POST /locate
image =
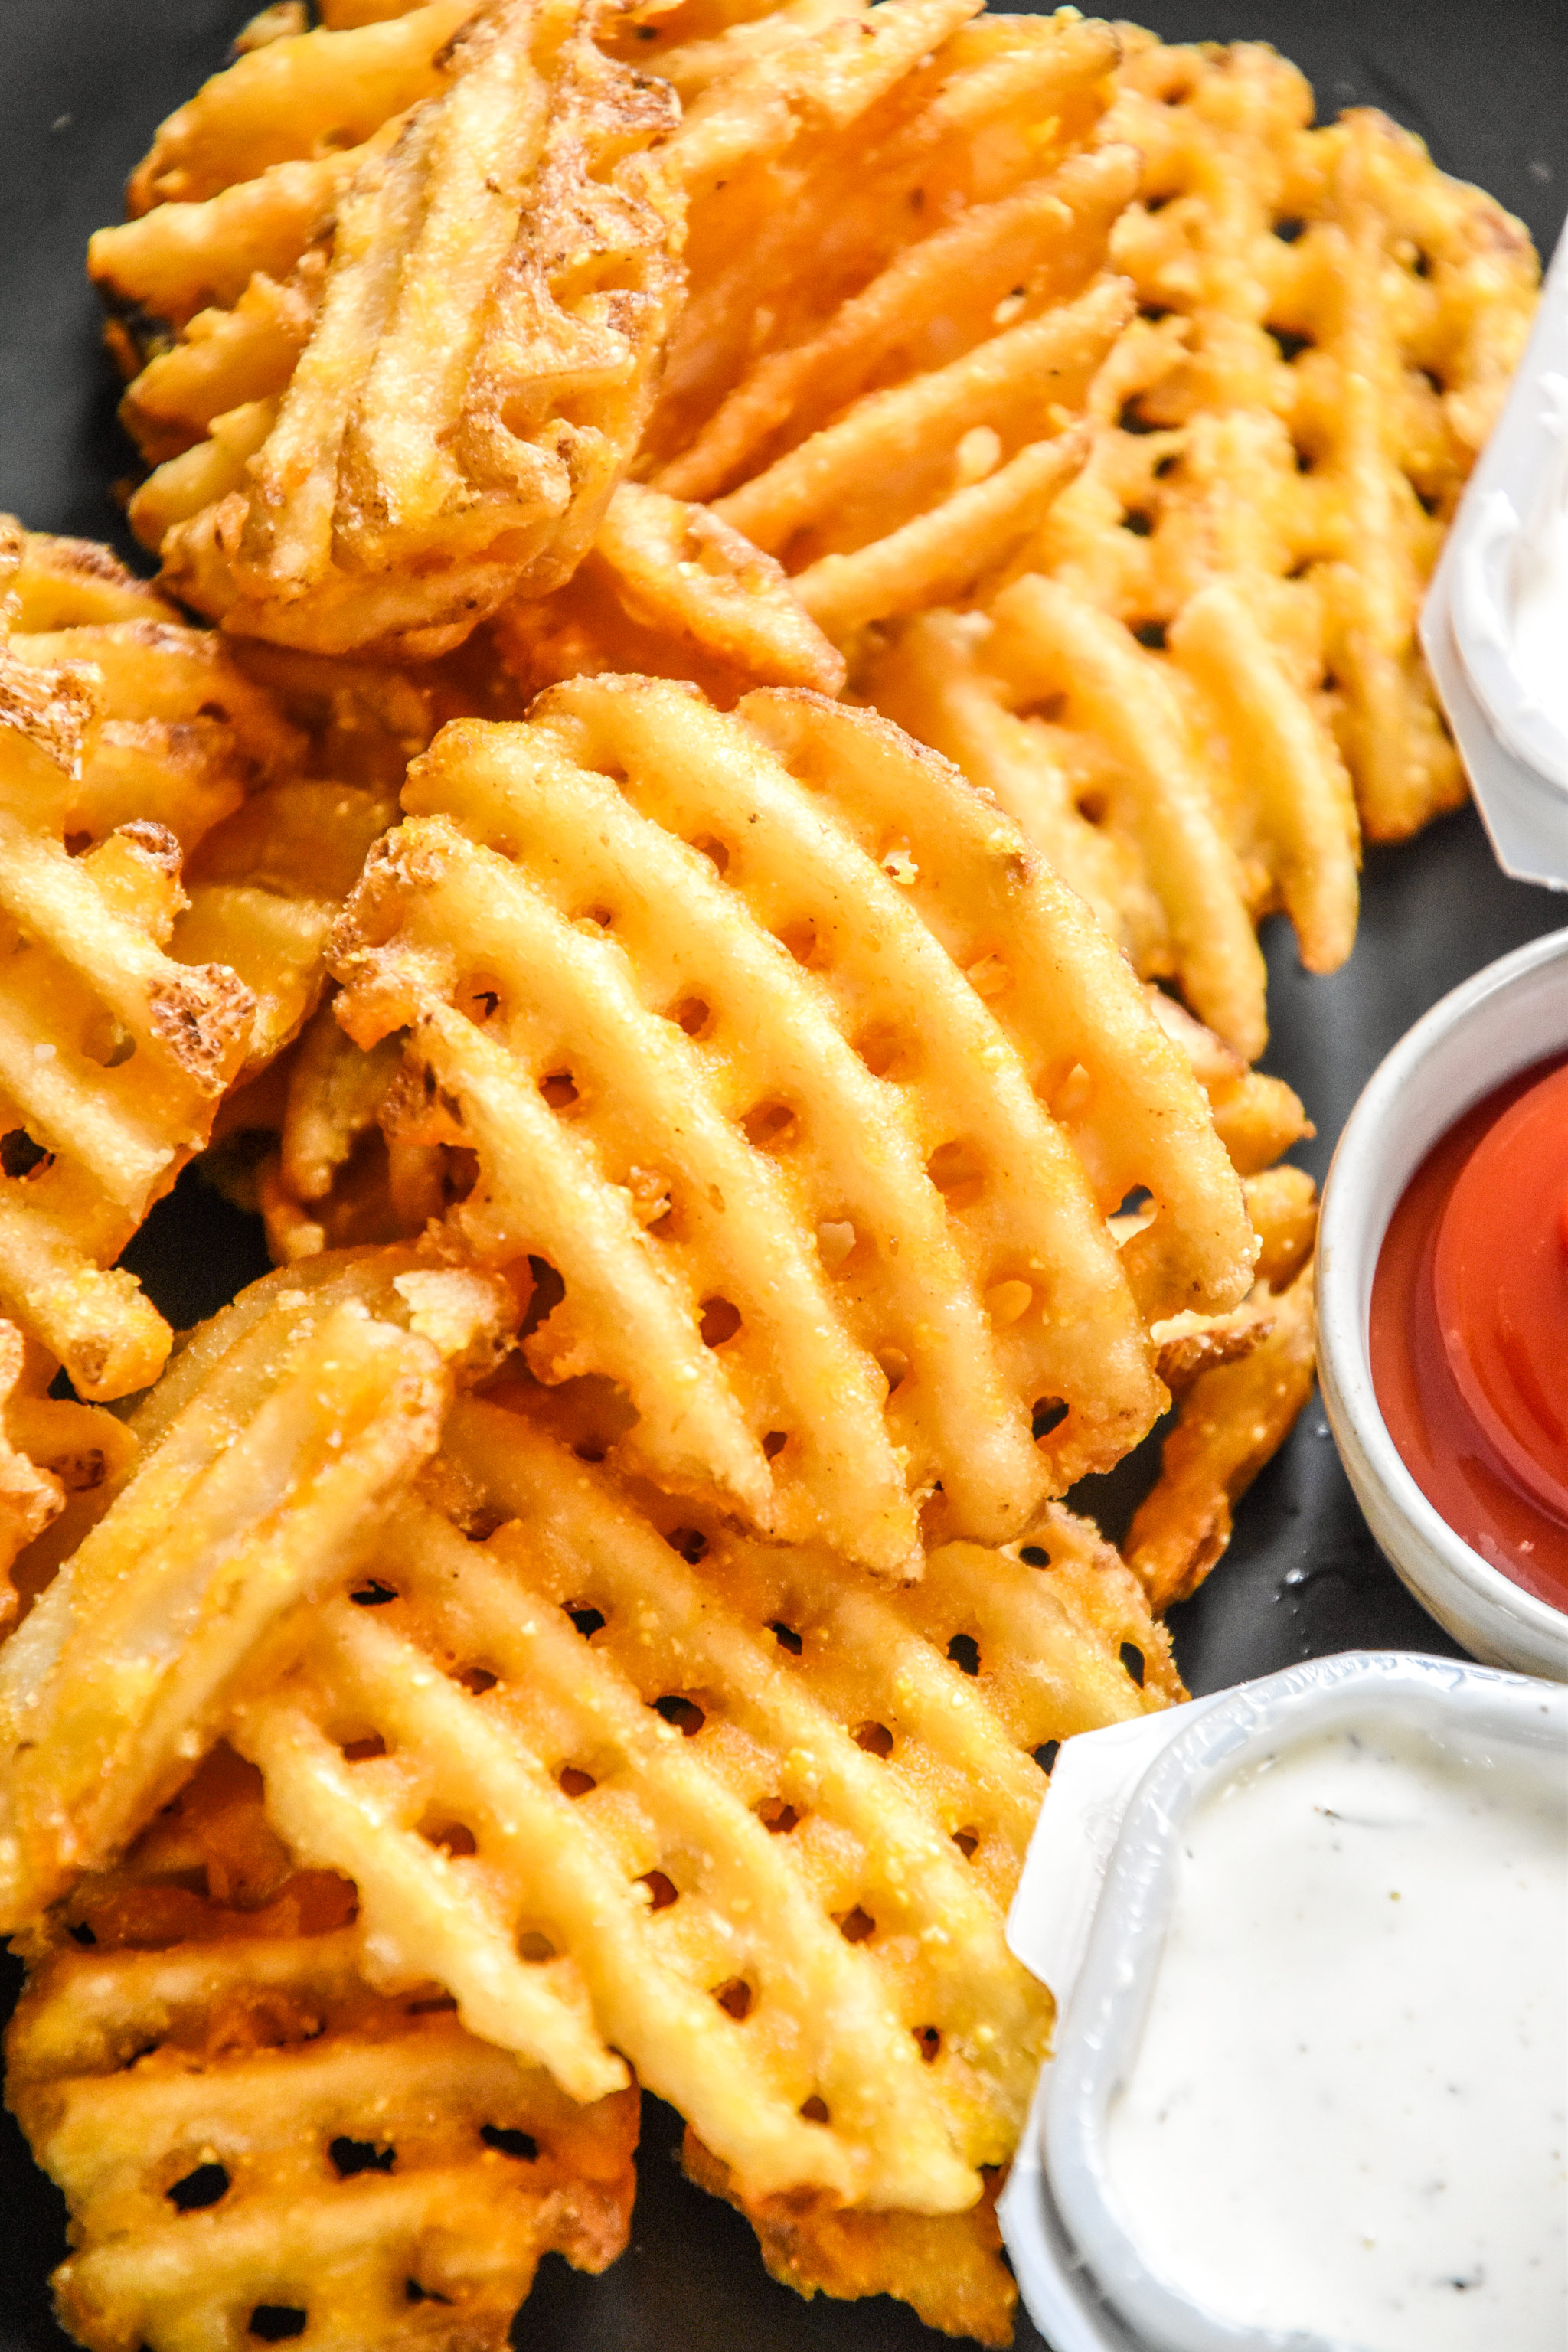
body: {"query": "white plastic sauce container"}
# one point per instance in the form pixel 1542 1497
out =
pixel 1285 2109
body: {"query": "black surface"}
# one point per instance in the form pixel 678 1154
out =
pixel 82 85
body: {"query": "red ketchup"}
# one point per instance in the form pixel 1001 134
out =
pixel 1470 1328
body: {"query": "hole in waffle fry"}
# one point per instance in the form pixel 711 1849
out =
pixel 967 1841
pixel 535 1946
pixel 716 852
pixel 199 2189
pixel 815 2110
pixel 690 1542
pixel 459 1174
pixel 856 1926
pixel 773 1444
pixel 107 1042
pixel 20 1156
pixel 894 1366
pixel 363 1750
pixel 880 1050
pixel 692 1014
pixel 1131 418
pixel 1035 1556
pixel 476 1679
pixel 1006 1301
pixel 1046 1755
pixel 1150 633
pixel 1132 1659
pixel 1166 466
pixel 350 2157
pixel 1047 1413
pixel 275 2323
pixel 836 1238
pixel 454 1838
pixel 413 2293
pixel 965 1652
pixel 519 2145
pixel 958 1173
pixel 82 1934
pixel 874 1737
pixel 1290 345
pixel 767 1125
pixel 684 1714
pixel 572 1782
pixel 480 997
pixel 1289 229
pixel 373 1594
pixel 1093 807
pixel 601 915
pixel 439 2004
pixel 659 1892
pixel 777 1817
pixel 549 1290
pixel 929 2041
pixel 787 1638
pixel 587 1621
pixel 559 1090
pixel 1305 460
pixel 799 939
pixel 1138 521
pixel 734 1998
pixel 721 1319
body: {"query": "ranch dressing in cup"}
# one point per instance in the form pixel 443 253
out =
pixel 1346 2112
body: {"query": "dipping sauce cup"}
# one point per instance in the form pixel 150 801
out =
pixel 1508 1019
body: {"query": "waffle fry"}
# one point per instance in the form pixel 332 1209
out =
pixel 948 2266
pixel 1243 1381
pixel 51 1451
pixel 630 1784
pixel 1341 323
pixel 124 739
pixel 669 591
pixel 428 410
pixel 244 2129
pixel 847 1328
pixel 326 1390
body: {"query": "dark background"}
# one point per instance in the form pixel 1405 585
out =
pixel 83 83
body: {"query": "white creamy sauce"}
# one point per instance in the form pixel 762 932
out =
pixel 1540 614
pixel 1347 2114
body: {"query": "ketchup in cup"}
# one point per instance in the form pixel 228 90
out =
pixel 1469 1329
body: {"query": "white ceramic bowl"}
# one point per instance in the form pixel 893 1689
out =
pixel 1510 1015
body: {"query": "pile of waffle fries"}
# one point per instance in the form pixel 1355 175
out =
pixel 777 593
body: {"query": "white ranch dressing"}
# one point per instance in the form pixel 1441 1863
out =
pixel 1347 2111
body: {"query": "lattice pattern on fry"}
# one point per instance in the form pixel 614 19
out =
pixel 124 739
pixel 628 1784
pixel 667 978
pixel 1241 1380
pixel 435 375
pixel 267 1456
pixel 255 2144
pixel 669 591
pixel 1339 321
pixel 52 1452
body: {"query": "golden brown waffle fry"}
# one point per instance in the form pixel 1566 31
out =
pixel 1340 321
pixel 669 591
pixel 123 742
pixel 1243 1379
pixel 658 1041
pixel 438 407
pixel 630 1784
pixel 948 2266
pixel 268 1458
pixel 52 1450
pixel 246 2131
pixel 1257 1118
